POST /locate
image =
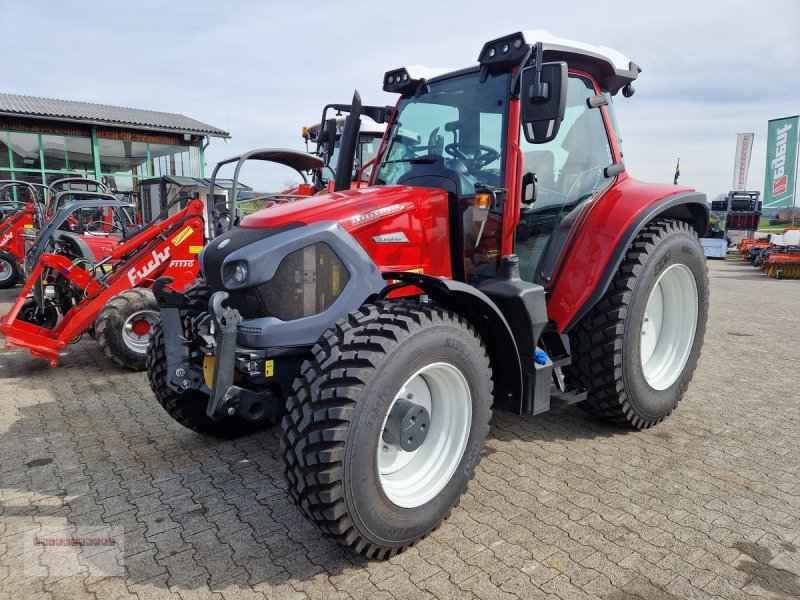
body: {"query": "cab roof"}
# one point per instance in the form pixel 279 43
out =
pixel 612 69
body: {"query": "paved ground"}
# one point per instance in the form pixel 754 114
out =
pixel 706 504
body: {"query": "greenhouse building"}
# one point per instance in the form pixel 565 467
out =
pixel 42 139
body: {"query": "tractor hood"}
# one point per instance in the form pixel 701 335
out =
pixel 401 228
pixel 354 210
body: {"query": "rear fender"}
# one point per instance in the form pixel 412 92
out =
pixel 603 239
pixel 485 316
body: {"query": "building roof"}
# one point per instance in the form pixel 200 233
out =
pixel 101 114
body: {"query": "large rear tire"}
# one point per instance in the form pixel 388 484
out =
pixel 124 326
pixel 637 349
pixel 395 363
pixel 189 407
pixel 9 271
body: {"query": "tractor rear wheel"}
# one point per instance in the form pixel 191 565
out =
pixel 124 325
pixel 387 424
pixel 9 271
pixel 189 407
pixel 636 351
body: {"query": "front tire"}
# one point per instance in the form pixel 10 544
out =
pixel 124 326
pixel 637 349
pixel 345 471
pixel 9 271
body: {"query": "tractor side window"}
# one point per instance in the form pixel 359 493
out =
pixel 568 169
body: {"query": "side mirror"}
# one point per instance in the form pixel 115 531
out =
pixel 543 98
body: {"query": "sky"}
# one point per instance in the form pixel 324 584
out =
pixel 261 70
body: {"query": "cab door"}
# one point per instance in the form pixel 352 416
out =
pixel 569 171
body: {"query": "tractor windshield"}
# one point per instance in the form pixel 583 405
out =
pixel 454 133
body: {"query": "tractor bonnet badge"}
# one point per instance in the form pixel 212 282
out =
pixel 397 237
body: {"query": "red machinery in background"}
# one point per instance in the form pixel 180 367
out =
pixel 16 217
pixel 69 293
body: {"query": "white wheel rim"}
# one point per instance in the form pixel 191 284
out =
pixel 410 479
pixel 5 269
pixel 668 326
pixel 133 335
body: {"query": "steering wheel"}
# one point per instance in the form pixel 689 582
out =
pixel 98 227
pixel 484 155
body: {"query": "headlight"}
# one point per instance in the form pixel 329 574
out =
pixel 240 272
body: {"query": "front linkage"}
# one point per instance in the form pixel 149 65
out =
pixel 214 378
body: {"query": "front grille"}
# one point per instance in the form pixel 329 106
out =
pixel 248 303
pixel 307 282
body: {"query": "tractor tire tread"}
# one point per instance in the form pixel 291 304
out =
pixel 597 339
pixel 316 425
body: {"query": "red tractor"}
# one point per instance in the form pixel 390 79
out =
pixel 22 219
pixel 21 209
pixel 502 257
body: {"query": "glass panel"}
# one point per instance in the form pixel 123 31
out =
pixel 120 183
pixel 79 154
pixel 4 159
pixel 117 156
pixel 166 159
pixel 183 164
pixel 452 136
pixel 194 161
pixel 568 169
pixel 453 131
pixel 54 148
pixel 24 150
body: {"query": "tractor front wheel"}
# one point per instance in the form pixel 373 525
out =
pixel 637 349
pixel 124 325
pixel 9 271
pixel 387 424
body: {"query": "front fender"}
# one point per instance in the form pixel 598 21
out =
pixel 485 316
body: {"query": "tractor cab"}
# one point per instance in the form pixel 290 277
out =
pixel 539 163
pixel 172 193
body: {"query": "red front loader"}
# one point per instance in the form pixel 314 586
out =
pixel 68 293
pixel 502 257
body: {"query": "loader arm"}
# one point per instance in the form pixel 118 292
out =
pixel 169 248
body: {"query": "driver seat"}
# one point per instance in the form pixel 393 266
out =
pixel 77 245
pixel 433 175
